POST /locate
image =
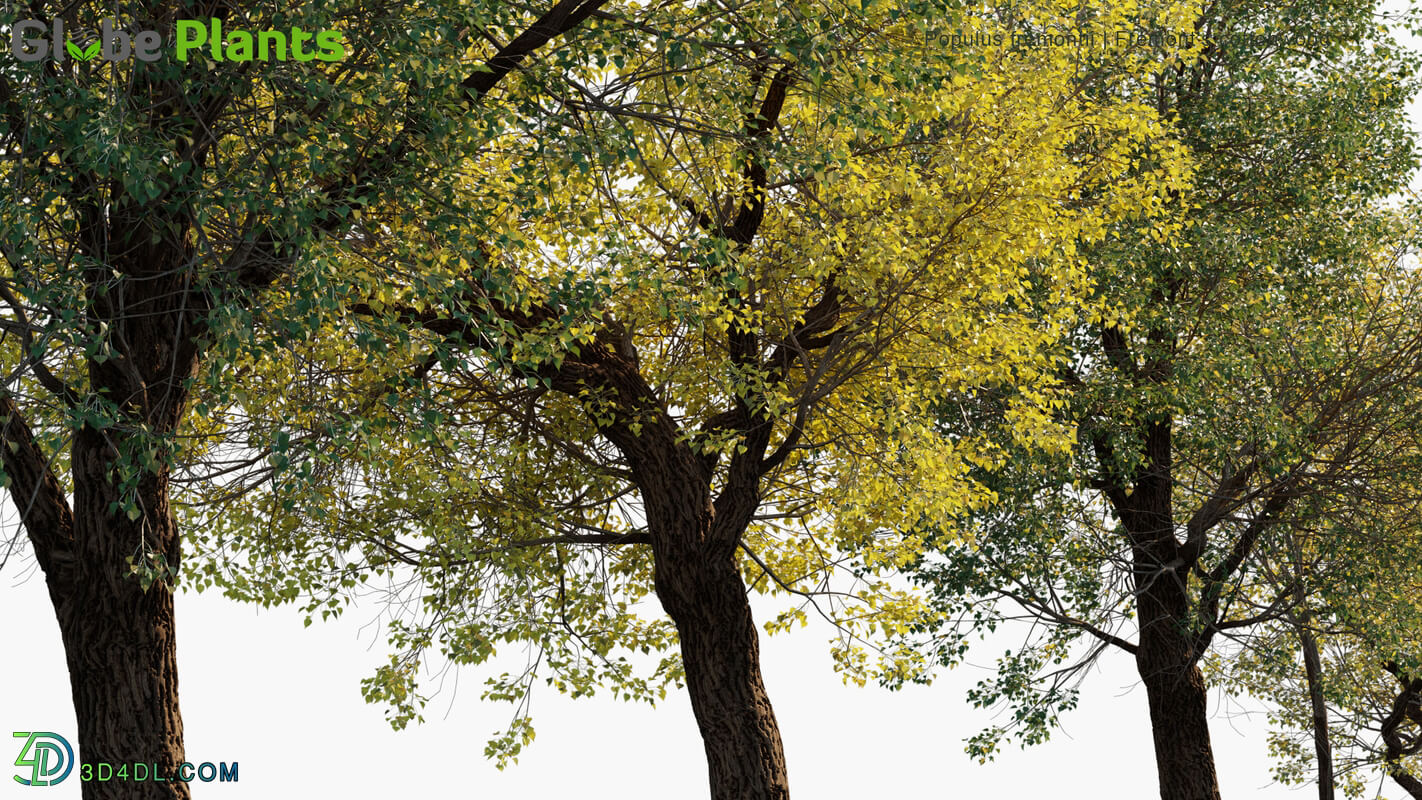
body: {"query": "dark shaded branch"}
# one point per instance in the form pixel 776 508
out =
pixel 1275 505
pixel 1318 708
pixel 1220 504
pixel 14 116
pixel 1037 606
pixel 47 379
pixel 1118 351
pixel 1111 482
pixel 38 494
pixel 758 126
pixel 1406 707
pixel 810 334
pixel 563 17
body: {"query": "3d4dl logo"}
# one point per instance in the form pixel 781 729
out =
pixel 47 755
pixel 33 40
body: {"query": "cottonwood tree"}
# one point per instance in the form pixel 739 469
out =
pixel 148 206
pixel 1231 380
pixel 706 367
pixel 1345 714
pixel 1340 669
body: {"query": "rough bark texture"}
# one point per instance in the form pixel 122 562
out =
pixel 1406 711
pixel 119 641
pixel 1409 783
pixel 1176 692
pixel 694 543
pixel 1168 648
pixel 721 652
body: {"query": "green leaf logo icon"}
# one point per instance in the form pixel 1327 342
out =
pixel 83 54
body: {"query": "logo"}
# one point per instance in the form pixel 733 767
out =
pixel 50 759
pixel 46 755
pixel 32 40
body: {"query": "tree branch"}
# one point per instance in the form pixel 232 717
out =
pixel 38 494
pixel 563 17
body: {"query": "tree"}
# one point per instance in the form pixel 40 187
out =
pixel 149 206
pixel 1355 702
pixel 707 368
pixel 1229 382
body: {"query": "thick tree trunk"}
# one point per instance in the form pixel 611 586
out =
pixel 1175 689
pixel 1406 707
pixel 1166 653
pixel 695 542
pixel 701 589
pixel 1407 781
pixel 119 641
pixel 720 648
pixel 1180 728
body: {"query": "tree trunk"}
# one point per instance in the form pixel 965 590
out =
pixel 1407 781
pixel 700 587
pixel 119 640
pixel 1313 671
pixel 1184 760
pixel 1406 707
pixel 1175 689
pixel 720 648
pixel 1166 654
pixel 694 542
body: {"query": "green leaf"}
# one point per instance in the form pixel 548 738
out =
pixel 83 54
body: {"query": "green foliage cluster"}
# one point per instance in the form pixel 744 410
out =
pixel 467 320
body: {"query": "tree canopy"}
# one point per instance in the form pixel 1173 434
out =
pixel 1237 385
pixel 712 336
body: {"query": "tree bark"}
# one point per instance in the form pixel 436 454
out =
pixel 1176 692
pixel 1406 708
pixel 1322 747
pixel 720 649
pixel 1166 653
pixel 699 585
pixel 119 640
pixel 142 287
pixel 1407 781
pixel 694 547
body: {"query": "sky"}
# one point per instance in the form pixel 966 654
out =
pixel 283 701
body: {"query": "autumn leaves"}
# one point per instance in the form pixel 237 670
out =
pixel 615 301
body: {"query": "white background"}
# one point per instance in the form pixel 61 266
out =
pixel 284 702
